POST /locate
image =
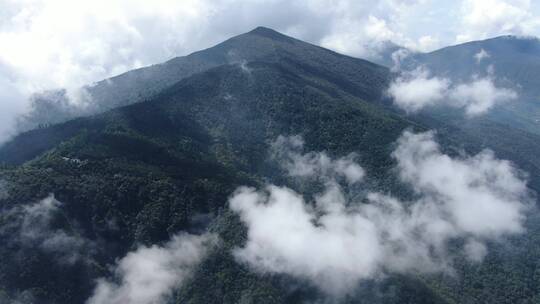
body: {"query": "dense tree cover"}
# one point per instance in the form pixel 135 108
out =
pixel 142 173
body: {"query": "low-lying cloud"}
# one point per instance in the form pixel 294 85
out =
pixel 149 275
pixel 479 96
pixel 482 195
pixel 415 90
pixel 287 150
pixel 336 241
pixel 481 55
pixel 33 226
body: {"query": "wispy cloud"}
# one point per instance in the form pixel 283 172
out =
pixel 481 55
pixel 34 226
pixel 287 150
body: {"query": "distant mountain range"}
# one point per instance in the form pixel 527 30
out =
pixel 160 149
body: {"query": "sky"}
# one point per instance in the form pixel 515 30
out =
pixel 48 44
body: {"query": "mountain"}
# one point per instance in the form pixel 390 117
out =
pixel 194 129
pixel 261 44
pixel 516 59
pixel 513 62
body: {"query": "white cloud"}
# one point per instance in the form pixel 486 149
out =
pixel 287 150
pixel 397 58
pixel 365 34
pixel 336 241
pixel 12 103
pixel 67 44
pixel 427 43
pixel 480 95
pixel 284 238
pixel 486 18
pixel 482 195
pixel 475 251
pixel 413 91
pixel 417 89
pixel 148 275
pixel 481 55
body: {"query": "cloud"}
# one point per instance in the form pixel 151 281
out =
pixel 480 95
pixel 487 18
pixel 397 58
pixel 366 34
pixel 148 275
pixel 336 241
pixel 12 103
pixel 481 55
pixel 483 196
pixel 427 43
pixel 415 90
pixel 34 226
pixel 287 150
pixel 475 251
pixel 286 236
pixel 65 44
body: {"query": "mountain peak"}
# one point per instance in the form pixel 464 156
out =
pixel 268 33
pixel 263 30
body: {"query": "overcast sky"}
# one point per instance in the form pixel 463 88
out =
pixel 47 44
